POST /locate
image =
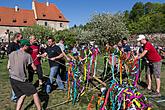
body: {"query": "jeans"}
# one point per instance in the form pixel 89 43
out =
pixel 54 72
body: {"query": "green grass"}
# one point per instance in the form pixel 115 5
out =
pixel 55 97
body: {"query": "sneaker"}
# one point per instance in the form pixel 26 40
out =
pixel 149 91
pixel 156 94
pixel 14 100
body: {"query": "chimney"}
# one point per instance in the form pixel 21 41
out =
pixel 34 8
pixel 33 4
pixel 47 3
pixel 16 8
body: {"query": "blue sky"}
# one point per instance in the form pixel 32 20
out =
pixel 80 11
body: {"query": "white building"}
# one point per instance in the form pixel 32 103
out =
pixel 14 19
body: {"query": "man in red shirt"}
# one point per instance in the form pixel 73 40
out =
pixel 154 63
pixel 34 51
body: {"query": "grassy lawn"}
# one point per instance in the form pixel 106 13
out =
pixel 56 96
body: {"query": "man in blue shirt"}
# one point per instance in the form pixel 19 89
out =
pixel 126 47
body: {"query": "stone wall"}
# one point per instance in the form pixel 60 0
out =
pixel 4 35
pixel 54 24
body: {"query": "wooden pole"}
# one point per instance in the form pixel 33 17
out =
pixel 103 83
pixel 67 101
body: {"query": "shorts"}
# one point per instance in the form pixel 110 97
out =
pixel 154 68
pixel 22 88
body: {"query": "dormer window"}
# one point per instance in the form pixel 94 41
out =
pixel 25 21
pixel 44 15
pixel 14 20
pixel 60 16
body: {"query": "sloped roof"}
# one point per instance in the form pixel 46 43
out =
pixel 22 17
pixel 50 12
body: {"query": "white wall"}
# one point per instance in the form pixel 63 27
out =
pixel 54 24
pixel 3 34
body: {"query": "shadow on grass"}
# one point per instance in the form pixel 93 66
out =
pixel 142 84
pixel 44 97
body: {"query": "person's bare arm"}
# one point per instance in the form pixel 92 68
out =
pixel 8 65
pixel 34 67
pixel 65 56
pixel 142 54
pixel 57 57
pixel 42 55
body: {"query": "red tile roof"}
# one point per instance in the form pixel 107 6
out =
pixel 50 12
pixel 10 17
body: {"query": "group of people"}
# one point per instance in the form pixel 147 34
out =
pixel 150 56
pixel 24 61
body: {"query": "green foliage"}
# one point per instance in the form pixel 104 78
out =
pixel 68 35
pixel 163 8
pixel 41 32
pixel 146 18
pixel 137 11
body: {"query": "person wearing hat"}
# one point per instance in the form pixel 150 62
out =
pixel 154 63
pixel 17 65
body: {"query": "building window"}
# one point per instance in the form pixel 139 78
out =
pixel 61 25
pixel 25 21
pixel 60 16
pixel 14 20
pixel 46 23
pixel 44 15
pixel 0 19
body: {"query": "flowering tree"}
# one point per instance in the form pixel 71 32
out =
pixel 108 27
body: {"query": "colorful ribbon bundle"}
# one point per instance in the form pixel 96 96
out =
pixel 81 69
pixel 122 98
pixel 120 93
